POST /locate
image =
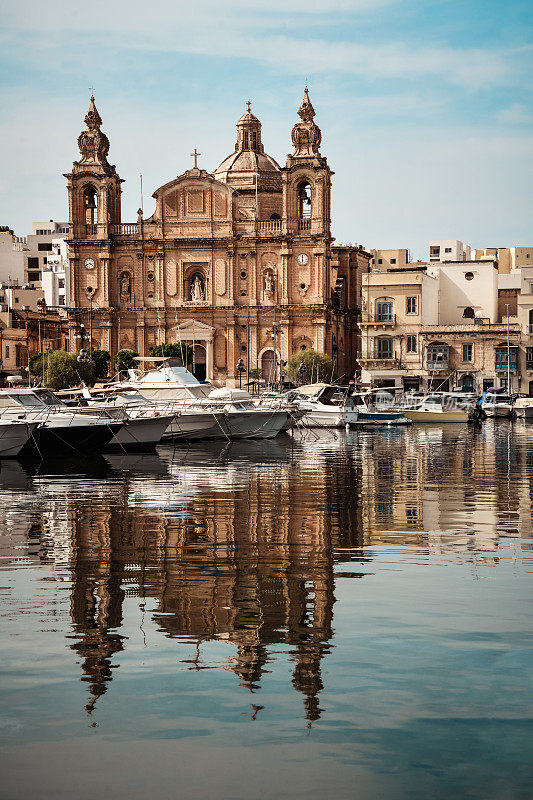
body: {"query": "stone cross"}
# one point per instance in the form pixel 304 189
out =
pixel 195 155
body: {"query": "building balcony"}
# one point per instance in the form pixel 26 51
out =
pixel 91 230
pixel 124 229
pixel 270 227
pixel 379 320
pixel 380 362
pixel 438 366
pixel 304 224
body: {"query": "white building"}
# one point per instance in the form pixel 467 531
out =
pixel 55 276
pixel 449 250
pixel 39 247
pixel 11 256
pixel 15 297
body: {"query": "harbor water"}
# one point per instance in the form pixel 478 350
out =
pixel 329 615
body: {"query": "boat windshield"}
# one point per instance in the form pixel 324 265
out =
pixel 27 400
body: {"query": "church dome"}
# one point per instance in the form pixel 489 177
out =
pixel 249 159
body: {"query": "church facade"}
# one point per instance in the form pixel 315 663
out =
pixel 238 263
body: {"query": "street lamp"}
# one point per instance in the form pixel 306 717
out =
pixel 241 367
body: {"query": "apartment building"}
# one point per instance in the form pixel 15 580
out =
pixel 11 256
pixel 389 259
pixel 449 250
pixel 508 258
pixel 437 326
pixel 39 246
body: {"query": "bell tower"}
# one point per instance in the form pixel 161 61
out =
pixel 307 178
pixel 94 188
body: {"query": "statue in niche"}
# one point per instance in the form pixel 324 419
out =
pixel 125 285
pixel 197 289
pixel 269 283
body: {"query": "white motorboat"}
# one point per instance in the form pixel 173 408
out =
pixel 60 430
pixel 324 405
pixel 14 436
pixel 436 408
pixel 497 405
pixel 232 412
pixel 373 410
pixel 523 407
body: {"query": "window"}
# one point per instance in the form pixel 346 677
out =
pixel 393 261
pixel 467 352
pixel 384 348
pixel 447 249
pixel 61 283
pixel 246 140
pixel 437 355
pixel 434 251
pixel 61 299
pixel 468 313
pixel 304 200
pixel 45 247
pixel 7 351
pixel 380 261
pixel 33 262
pixel 34 276
pixel 384 312
pixel 411 305
pixel 16 300
pixel 500 358
pixel 529 357
pixel 254 140
pixel 412 345
pixel 469 276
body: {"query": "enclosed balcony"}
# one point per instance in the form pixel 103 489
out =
pixel 501 354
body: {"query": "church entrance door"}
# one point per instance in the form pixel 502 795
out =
pixel 267 366
pixel 200 361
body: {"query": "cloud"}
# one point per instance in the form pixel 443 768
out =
pixel 515 114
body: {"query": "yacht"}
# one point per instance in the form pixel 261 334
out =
pixel 59 430
pixel 434 408
pixel 325 406
pixel 179 423
pixel 233 412
pixel 14 436
pixel 497 405
pixel 523 407
pixel 374 413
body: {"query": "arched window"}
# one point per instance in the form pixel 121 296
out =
pixel 384 347
pixel 304 200
pixel 468 313
pixel 90 205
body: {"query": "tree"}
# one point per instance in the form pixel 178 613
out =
pixel 125 359
pixel 308 366
pixel 182 351
pixel 61 369
pixel 100 359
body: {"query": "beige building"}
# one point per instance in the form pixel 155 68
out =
pixel 389 259
pixel 437 326
pixel 508 258
pixel 238 262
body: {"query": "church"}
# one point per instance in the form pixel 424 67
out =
pixel 238 263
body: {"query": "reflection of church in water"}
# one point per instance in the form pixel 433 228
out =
pixel 236 569
pixel 218 254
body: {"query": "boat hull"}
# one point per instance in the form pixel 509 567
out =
pixel 323 418
pixel 419 415
pixel 14 436
pixel 53 440
pixel 139 434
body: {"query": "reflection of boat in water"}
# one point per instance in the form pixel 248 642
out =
pixel 260 450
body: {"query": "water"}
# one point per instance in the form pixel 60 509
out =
pixel 340 616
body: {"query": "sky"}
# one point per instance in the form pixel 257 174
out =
pixel 425 106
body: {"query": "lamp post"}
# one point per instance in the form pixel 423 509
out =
pixel 240 369
pixel 508 354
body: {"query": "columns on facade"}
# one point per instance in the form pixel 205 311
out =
pixel 140 333
pixel 284 278
pixel 209 357
pixel 255 288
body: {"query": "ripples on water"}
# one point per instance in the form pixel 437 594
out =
pixel 336 616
